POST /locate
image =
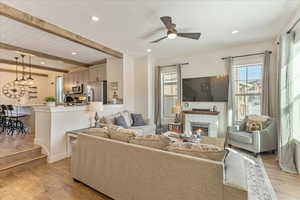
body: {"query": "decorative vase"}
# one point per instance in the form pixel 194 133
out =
pixel 51 104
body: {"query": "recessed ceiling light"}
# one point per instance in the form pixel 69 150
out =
pixel 42 63
pixel 74 53
pixel 95 18
pixel 235 32
pixel 149 50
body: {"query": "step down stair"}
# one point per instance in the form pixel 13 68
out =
pixel 22 160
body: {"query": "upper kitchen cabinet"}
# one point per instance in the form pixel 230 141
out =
pixel 97 73
pixel 74 79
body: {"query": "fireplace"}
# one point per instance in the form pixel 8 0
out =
pixel 202 121
pixel 200 128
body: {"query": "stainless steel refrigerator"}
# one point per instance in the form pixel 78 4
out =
pixel 97 91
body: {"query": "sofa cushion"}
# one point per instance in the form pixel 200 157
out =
pixel 122 134
pixel 120 121
pixel 206 151
pixel 241 137
pixel 127 117
pixel 154 141
pixel 144 130
pixel 138 119
pixel 101 132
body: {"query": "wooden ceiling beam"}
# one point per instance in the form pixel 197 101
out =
pixel 41 54
pixel 12 62
pixel 99 62
pixel 27 73
pixel 38 23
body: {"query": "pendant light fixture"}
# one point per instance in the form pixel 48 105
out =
pixel 30 80
pixel 16 81
pixel 23 80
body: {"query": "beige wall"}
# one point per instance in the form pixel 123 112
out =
pixel 46 85
pixel 114 73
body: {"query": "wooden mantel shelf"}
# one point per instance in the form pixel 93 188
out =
pixel 200 112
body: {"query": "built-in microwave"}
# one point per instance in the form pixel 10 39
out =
pixel 78 89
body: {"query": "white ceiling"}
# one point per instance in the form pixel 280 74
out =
pixel 24 36
pixel 10 55
pixel 125 25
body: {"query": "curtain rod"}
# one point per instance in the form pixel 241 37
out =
pixel 294 25
pixel 174 65
pixel 246 55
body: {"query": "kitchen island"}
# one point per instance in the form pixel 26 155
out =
pixel 52 123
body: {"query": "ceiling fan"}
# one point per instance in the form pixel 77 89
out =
pixel 172 32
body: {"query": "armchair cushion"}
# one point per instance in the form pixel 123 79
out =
pixel 241 137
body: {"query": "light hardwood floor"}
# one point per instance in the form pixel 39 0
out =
pixel 13 144
pixel 286 186
pixel 45 182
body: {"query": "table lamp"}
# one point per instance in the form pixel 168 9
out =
pixel 96 107
pixel 177 111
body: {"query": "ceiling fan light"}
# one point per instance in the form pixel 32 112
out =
pixel 172 36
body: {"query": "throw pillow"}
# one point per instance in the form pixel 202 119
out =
pixel 262 119
pixel 138 120
pixel 154 141
pixel 206 151
pixel 120 121
pixel 100 132
pixel 253 126
pixel 127 118
pixel 122 134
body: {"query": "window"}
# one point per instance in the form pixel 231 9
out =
pixel 169 93
pixel 248 90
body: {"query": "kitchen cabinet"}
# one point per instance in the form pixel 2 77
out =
pixel 97 73
pixel 75 78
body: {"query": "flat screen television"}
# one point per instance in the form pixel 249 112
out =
pixel 205 89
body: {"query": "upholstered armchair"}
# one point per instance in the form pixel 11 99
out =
pixel 256 142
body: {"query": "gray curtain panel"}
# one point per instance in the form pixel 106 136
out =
pixel 179 78
pixel 231 97
pixel 286 151
pixel 157 98
pixel 266 107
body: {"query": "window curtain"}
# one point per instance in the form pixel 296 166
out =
pixel 230 104
pixel 158 98
pixel 158 93
pixel 179 84
pixel 287 125
pixel 266 84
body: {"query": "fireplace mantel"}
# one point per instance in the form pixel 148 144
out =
pixel 200 112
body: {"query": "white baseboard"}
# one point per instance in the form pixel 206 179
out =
pixel 45 150
pixel 57 157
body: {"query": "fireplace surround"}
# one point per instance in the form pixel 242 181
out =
pixel 208 121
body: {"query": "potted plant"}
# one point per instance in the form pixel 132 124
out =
pixel 50 101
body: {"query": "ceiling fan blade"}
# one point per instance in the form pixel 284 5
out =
pixel 155 41
pixel 167 20
pixel 194 36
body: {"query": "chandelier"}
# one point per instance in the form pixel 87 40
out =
pixel 24 81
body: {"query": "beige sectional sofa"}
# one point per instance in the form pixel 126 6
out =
pixel 126 171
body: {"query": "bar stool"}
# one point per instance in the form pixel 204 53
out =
pixel 15 124
pixel 4 119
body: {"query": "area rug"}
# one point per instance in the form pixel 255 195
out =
pixel 259 185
